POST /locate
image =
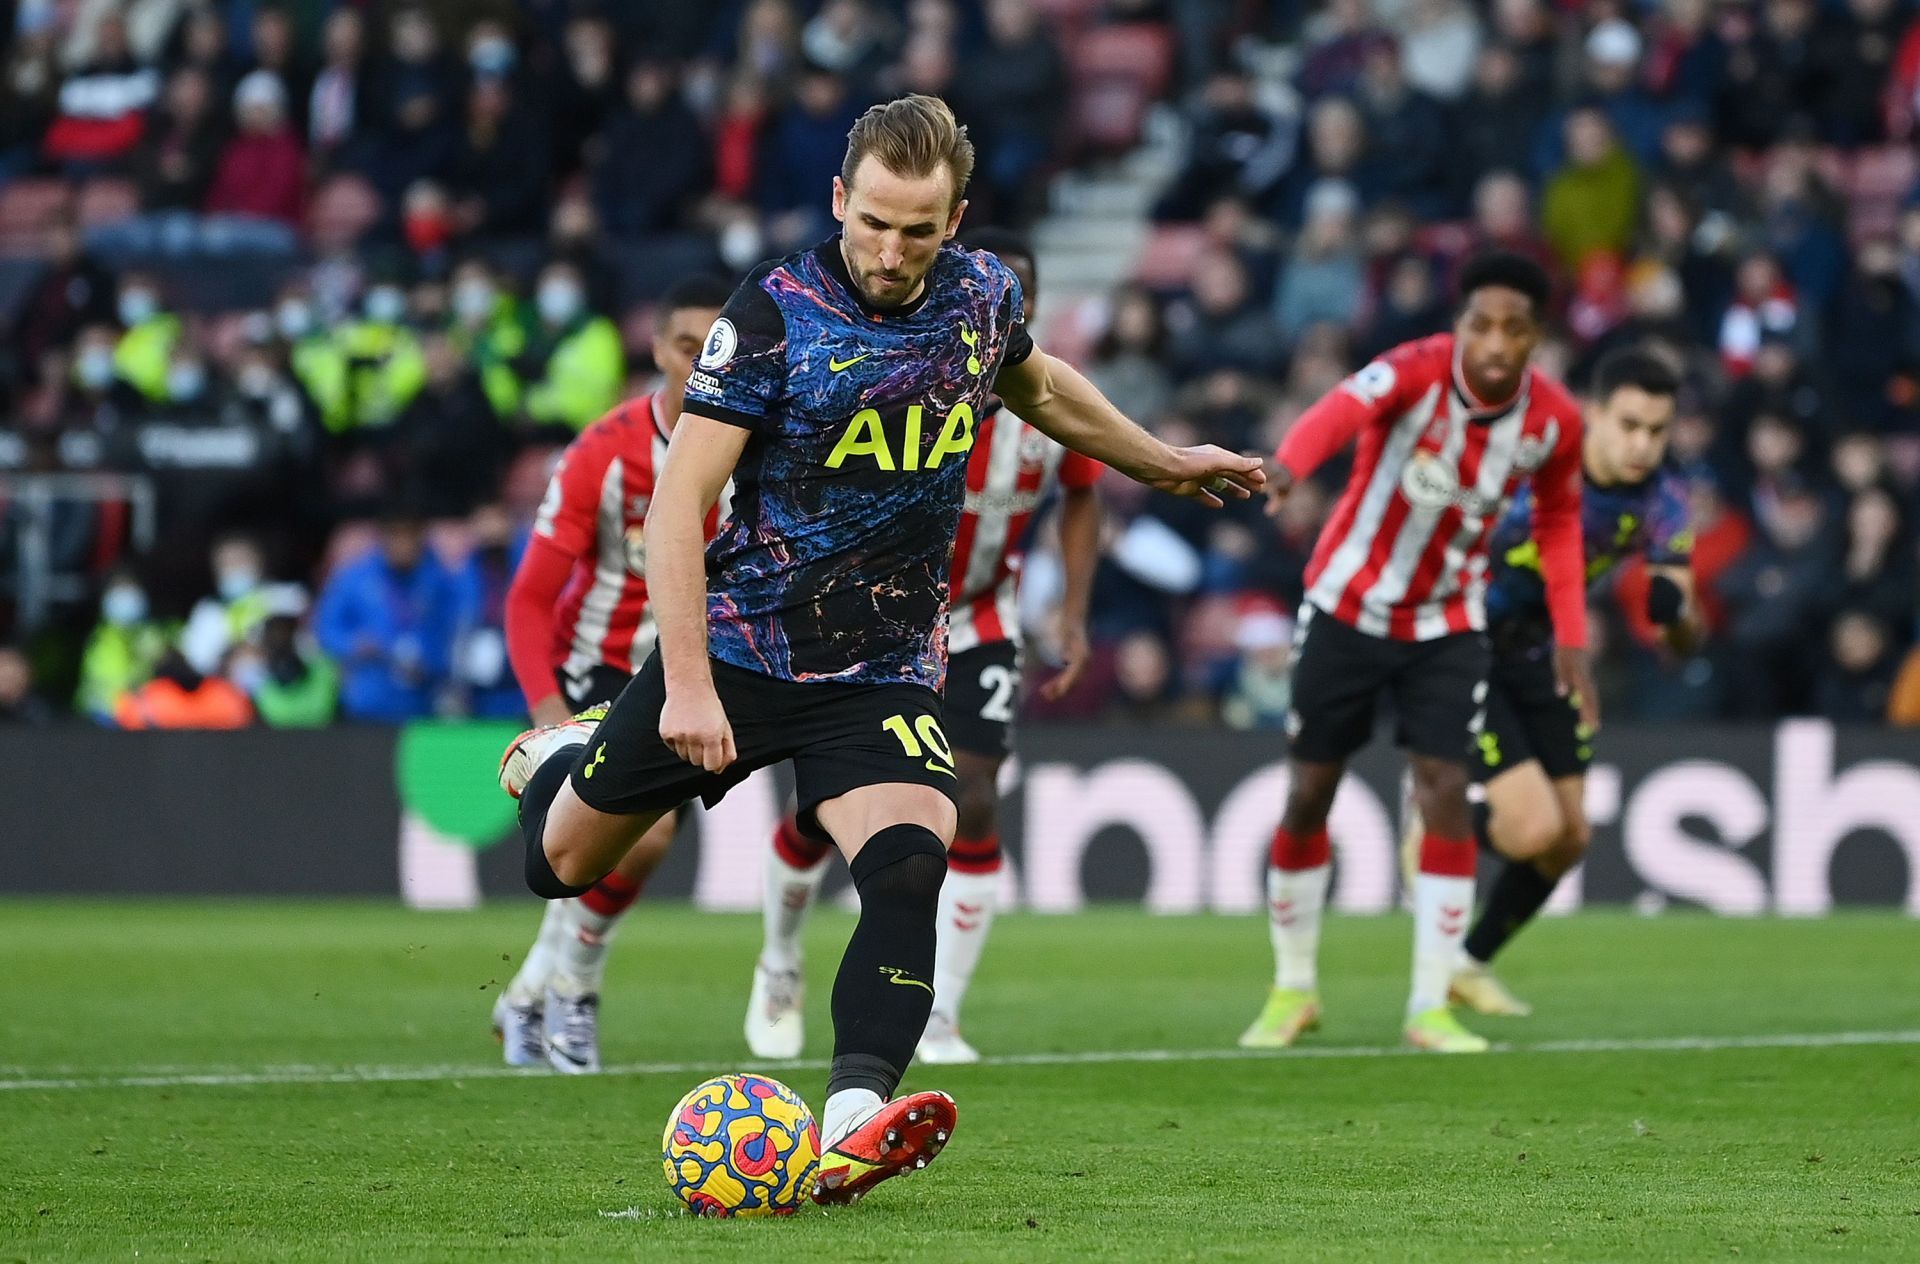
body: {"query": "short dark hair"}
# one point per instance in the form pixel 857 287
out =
pixel 1642 367
pixel 702 290
pixel 1004 242
pixel 1509 271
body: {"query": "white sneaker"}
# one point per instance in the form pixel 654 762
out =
pixel 1479 989
pixel 573 1033
pixel 942 1045
pixel 521 1031
pixel 531 748
pixel 776 1025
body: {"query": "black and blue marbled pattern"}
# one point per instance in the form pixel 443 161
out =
pixel 837 571
pixel 1649 517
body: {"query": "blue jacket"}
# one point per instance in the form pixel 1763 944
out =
pixel 480 642
pixel 391 633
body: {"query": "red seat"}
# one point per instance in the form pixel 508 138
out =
pixel 341 211
pixel 1166 261
pixel 1118 71
pixel 27 209
pixel 1876 185
pixel 107 200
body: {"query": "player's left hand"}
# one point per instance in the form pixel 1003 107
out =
pixel 1209 475
pixel 1573 678
pixel 1074 652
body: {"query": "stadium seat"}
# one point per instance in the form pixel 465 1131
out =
pixel 341 211
pixel 1877 184
pixel 1166 261
pixel 107 201
pixel 1118 71
pixel 27 208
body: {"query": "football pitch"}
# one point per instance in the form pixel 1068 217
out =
pixel 314 1081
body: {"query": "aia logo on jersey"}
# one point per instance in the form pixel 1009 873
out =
pixel 1431 484
pixel 903 445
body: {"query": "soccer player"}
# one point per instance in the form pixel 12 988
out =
pixel 840 389
pixel 577 624
pixel 1533 749
pixel 1008 474
pixel 1448 429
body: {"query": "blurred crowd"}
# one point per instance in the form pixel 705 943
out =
pixel 340 278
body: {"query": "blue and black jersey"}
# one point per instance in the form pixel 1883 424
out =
pixel 1648 517
pixel 847 496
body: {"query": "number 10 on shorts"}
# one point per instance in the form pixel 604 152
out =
pixel 929 738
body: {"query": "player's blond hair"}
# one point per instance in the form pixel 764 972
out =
pixel 911 137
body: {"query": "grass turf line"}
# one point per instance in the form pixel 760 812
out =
pixel 1631 1154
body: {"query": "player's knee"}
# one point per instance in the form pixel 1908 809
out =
pixel 1527 836
pixel 901 865
pixel 1569 848
pixel 571 865
pixel 977 813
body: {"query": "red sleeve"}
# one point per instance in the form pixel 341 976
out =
pixel 1078 470
pixel 1340 415
pixel 1556 528
pixel 535 591
pixel 570 512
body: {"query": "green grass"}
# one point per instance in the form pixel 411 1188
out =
pixel 1766 1153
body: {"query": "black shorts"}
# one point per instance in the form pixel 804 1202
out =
pixel 600 683
pixel 839 737
pixel 1340 674
pixel 1528 719
pixel 983 685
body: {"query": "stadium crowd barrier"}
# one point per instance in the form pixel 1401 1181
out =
pixel 1793 819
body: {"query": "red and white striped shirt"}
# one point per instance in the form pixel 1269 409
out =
pixel 582 586
pixel 1008 473
pixel 1405 552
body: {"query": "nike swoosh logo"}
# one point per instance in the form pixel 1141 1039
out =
pixel 895 975
pixel 933 767
pixel 837 365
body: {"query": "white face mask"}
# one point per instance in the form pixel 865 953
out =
pixel 123 606
pixel 185 382
pixel 293 319
pixel 256 381
pixel 94 368
pixel 136 306
pixel 237 583
pixel 559 301
pixel 386 305
pixel 473 301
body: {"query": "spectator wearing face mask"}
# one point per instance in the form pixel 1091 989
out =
pixel 235 609
pixel 99 398
pixel 292 684
pixel 149 334
pixel 375 366
pixel 488 327
pixel 574 366
pixel 123 650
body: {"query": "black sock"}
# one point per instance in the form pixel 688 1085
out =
pixel 884 991
pixel 534 802
pixel 1483 827
pixel 1517 895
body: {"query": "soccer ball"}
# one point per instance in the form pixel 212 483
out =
pixel 741 1145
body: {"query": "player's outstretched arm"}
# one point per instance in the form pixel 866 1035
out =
pixel 699 462
pixel 1563 565
pixel 1051 395
pixel 1079 557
